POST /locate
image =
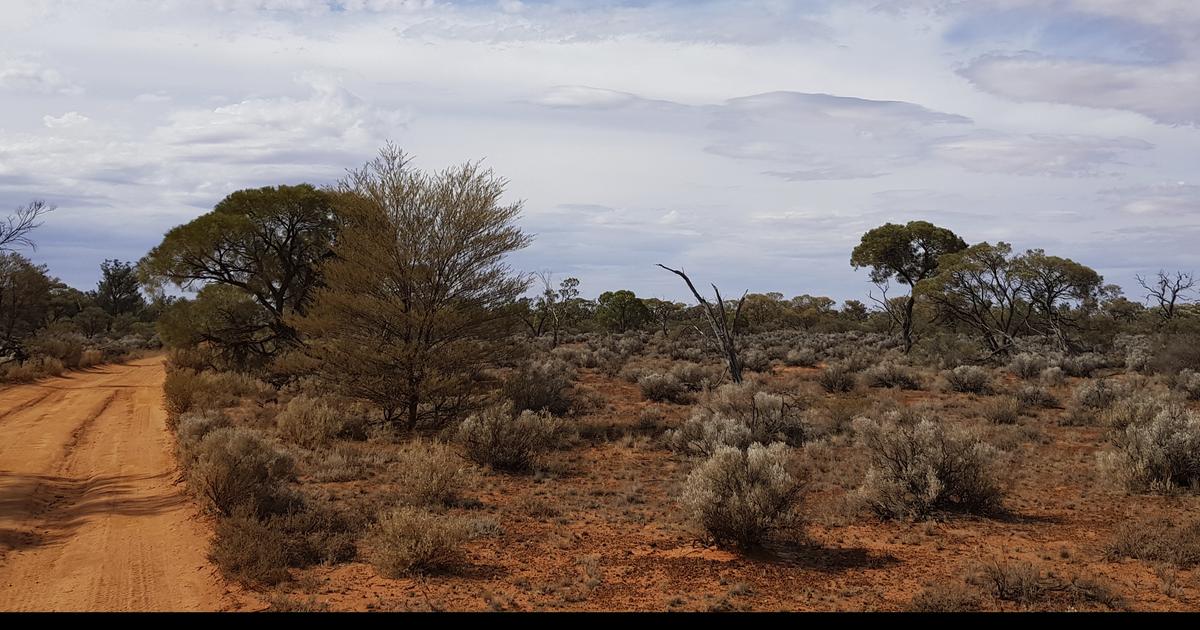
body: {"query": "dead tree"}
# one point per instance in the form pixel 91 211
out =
pixel 724 330
pixel 14 231
pixel 1168 290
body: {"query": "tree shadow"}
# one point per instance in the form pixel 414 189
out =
pixel 813 556
pixel 40 510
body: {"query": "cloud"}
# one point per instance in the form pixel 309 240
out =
pixel 330 119
pixel 1168 94
pixel 28 76
pixel 585 97
pixel 709 22
pixel 863 114
pixel 1177 199
pixel 751 142
pixel 69 119
pixel 156 97
pixel 813 137
pixel 1036 154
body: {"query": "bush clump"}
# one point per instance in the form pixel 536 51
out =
pixel 1082 365
pixel 890 374
pixel 1188 382
pixel 499 438
pixel 191 429
pixel 801 357
pixel 410 540
pixel 663 388
pixel 1158 540
pixel 769 417
pixel 755 360
pixel 969 379
pixel 235 468
pixel 1001 410
pixel 1096 395
pixel 257 551
pixel 738 497
pixel 542 386
pixel 705 432
pixel 1053 377
pixel 179 391
pixel 1035 396
pixel 923 467
pixel 1161 455
pixel 1027 365
pixel 836 378
pixel 429 473
pixel 1139 408
pixel 313 423
pixel 695 377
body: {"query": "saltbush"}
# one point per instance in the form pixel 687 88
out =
pixel 410 540
pixel 506 441
pixel 737 497
pixel 924 467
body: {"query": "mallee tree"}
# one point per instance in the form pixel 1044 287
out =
pixel 417 295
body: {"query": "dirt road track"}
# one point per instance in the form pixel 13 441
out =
pixel 91 514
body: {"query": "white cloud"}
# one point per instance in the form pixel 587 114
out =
pixel 511 6
pixel 156 97
pixel 30 76
pixel 583 96
pixel 1037 154
pixel 1178 199
pixel 1168 94
pixel 329 119
pixel 69 119
pixel 752 142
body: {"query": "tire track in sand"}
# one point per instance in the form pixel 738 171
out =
pixel 90 515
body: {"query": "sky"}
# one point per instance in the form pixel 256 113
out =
pixel 751 143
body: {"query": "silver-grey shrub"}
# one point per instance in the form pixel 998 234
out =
pixel 499 438
pixel 924 467
pixel 969 379
pixel 1188 382
pixel 663 388
pixel 891 374
pixel 738 497
pixel 1163 454
pixel 1027 365
pixel 704 432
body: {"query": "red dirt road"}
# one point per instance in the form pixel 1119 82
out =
pixel 91 514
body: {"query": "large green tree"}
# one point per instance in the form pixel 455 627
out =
pixel 619 311
pixel 224 319
pixel 1058 289
pixel 981 288
pixel 25 290
pixel 119 292
pixel 419 294
pixel 909 254
pixel 267 242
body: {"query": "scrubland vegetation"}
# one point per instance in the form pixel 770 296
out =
pixel 379 413
pixel 47 327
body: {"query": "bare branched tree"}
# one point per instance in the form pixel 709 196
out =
pixel 724 330
pixel 14 231
pixel 889 307
pixel 1168 291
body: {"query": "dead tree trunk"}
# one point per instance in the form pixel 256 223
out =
pixel 724 330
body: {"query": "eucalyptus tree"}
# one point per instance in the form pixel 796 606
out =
pixel 908 253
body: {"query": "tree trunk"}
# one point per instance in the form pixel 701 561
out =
pixel 907 324
pixel 724 332
pixel 413 409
